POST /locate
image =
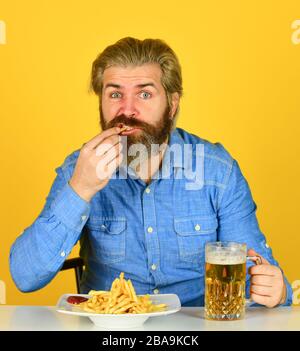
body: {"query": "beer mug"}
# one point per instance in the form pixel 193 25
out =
pixel 225 280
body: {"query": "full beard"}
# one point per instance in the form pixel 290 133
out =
pixel 151 136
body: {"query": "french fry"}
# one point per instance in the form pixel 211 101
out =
pixel 127 289
pixel 99 292
pixel 133 294
pixel 123 309
pixel 120 299
pixel 120 305
pixel 122 129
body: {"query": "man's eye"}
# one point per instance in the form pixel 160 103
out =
pixel 145 95
pixel 115 95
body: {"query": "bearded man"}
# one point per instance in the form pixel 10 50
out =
pixel 131 216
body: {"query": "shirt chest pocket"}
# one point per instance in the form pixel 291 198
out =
pixel 193 232
pixel 107 239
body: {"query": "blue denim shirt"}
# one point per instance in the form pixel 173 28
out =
pixel 154 233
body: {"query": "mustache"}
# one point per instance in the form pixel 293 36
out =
pixel 128 121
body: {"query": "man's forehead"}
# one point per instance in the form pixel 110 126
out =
pixel 147 73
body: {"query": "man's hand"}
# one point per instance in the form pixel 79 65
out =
pixel 267 284
pixel 97 161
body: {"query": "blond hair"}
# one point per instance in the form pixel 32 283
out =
pixel 134 52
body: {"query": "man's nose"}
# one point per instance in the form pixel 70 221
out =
pixel 128 107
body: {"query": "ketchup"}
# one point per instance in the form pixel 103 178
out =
pixel 75 300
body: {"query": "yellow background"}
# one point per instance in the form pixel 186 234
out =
pixel 241 74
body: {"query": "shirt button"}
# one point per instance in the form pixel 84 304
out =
pixel 267 245
pixel 148 190
pixel 62 254
pixel 83 218
pixel 156 291
pixel 153 267
pixel 150 229
pixel 103 226
pixel 197 227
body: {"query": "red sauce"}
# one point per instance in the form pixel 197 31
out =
pixel 75 300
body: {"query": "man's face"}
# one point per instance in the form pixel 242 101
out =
pixel 135 97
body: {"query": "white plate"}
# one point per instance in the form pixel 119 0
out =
pixel 128 320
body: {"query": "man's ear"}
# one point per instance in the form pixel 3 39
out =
pixel 175 103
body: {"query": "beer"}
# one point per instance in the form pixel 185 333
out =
pixel 225 280
pixel 225 289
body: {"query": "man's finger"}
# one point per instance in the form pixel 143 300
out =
pixel 265 280
pixel 109 167
pixel 262 269
pixel 104 147
pixel 115 163
pixel 251 252
pixel 111 153
pixel 100 137
pixel 262 300
pixel 261 290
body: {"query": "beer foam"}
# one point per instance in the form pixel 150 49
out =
pixel 214 258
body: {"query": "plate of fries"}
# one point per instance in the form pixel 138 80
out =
pixel 119 307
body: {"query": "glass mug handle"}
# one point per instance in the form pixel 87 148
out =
pixel 256 260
